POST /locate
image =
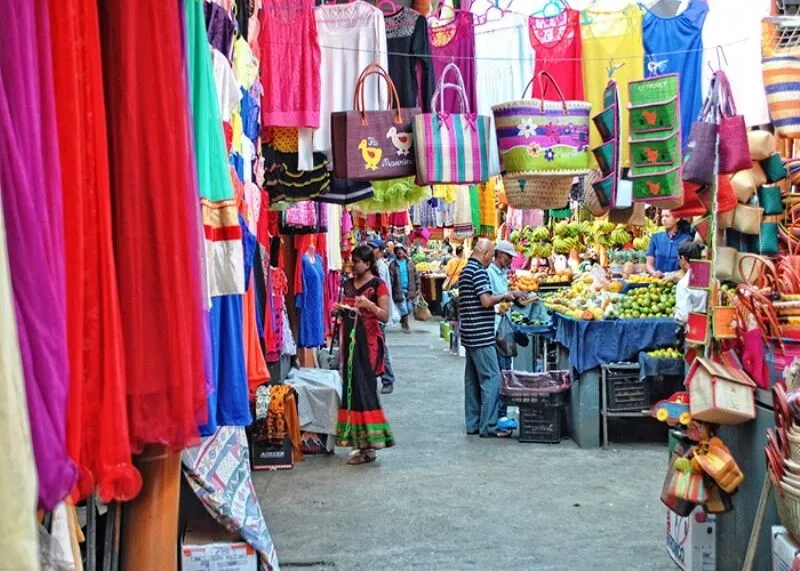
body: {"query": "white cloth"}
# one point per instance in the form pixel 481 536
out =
pixel 248 155
pixel 351 36
pixel 504 66
pixel 688 300
pixel 386 276
pixel 333 238
pixel 228 94
pixel 18 533
pixel 736 26
pixel 320 394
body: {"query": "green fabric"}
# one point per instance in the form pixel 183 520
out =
pixel 475 207
pixel 393 196
pixel 211 158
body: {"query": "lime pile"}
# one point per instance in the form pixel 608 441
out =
pixel 655 300
pixel 668 353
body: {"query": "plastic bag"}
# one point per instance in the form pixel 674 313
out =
pixel 506 344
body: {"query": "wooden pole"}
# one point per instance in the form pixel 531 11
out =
pixel 150 523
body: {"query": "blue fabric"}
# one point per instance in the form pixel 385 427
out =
pixel 497 279
pixel 402 265
pixel 593 343
pixel 675 45
pixel 312 318
pixel 652 367
pixel 238 165
pixel 251 114
pixel 228 403
pixel 481 389
pixel 664 248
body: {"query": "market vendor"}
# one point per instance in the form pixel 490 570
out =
pixel 662 254
pixel 688 300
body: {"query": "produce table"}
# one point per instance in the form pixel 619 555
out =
pixel 585 345
pixel 431 287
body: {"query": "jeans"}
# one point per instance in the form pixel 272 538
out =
pixel 481 389
pixel 404 306
pixel 504 363
pixel 388 372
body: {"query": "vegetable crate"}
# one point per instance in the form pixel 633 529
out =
pixel 540 423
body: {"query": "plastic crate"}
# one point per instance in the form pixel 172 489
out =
pixel 521 387
pixel 540 423
pixel 626 392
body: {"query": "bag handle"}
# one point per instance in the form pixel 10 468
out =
pixel 443 86
pixel 359 99
pixel 710 108
pixel 726 103
pixel 543 89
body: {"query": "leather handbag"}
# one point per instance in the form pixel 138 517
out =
pixel 701 147
pixel 452 148
pixel 770 199
pixel 373 145
pixel 747 219
pixel 734 151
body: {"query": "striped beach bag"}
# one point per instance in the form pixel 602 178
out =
pixel 781 70
pixel 451 148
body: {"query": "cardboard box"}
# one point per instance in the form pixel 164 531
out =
pixel 207 546
pixel 785 550
pixel 692 541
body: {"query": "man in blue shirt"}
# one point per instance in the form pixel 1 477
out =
pixel 662 254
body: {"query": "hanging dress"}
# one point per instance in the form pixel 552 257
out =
pixel 19 542
pixel 362 423
pixel 156 222
pixel 675 45
pixel 611 37
pixel 409 48
pixel 556 41
pixel 32 202
pixel 455 41
pixel 310 303
pixel 97 424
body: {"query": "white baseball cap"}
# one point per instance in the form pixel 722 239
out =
pixel 506 247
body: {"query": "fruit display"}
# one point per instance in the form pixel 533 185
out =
pixel 668 353
pixel 563 277
pixel 428 267
pixel 523 281
pixel 523 321
pixel 657 300
pixel 643 279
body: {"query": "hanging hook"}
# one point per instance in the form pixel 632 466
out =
pixel 613 67
pixel 721 57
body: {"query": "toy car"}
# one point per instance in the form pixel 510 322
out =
pixel 673 410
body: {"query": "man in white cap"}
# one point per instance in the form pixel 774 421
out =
pixel 504 253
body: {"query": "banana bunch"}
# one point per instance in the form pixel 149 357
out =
pixel 540 234
pixel 565 245
pixel 620 236
pixel 641 243
pixel 561 229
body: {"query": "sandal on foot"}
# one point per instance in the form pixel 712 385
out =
pixel 361 457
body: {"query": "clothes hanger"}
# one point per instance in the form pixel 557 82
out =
pixel 484 18
pixel 664 8
pixel 392 7
pixel 721 57
pixel 552 8
pixel 612 68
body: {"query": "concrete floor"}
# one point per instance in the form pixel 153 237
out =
pixel 441 500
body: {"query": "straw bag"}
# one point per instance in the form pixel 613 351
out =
pixel 421 310
pixel 536 136
pixel 734 153
pixel 747 219
pixel 725 263
pixel 698 157
pixel 762 144
pixel 543 192
pixel 591 200
pixel 635 215
pixel 744 185
pixel 781 70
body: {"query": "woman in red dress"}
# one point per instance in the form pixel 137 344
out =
pixel 365 305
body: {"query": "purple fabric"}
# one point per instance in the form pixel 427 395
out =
pixel 220 28
pixel 31 183
pixel 461 47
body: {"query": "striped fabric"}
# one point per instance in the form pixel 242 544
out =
pixel 451 148
pixel 782 83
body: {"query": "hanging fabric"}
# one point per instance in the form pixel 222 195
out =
pixel 675 45
pixel 612 40
pixel 556 41
pixel 409 48
pixel 454 43
pixel 156 228
pixel 97 423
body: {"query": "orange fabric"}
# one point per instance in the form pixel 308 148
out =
pixel 257 372
pixel 293 427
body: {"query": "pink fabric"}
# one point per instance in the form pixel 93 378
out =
pixel 347 223
pixel 302 214
pixel 290 63
pixel 456 40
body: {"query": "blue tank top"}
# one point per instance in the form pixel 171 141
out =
pixel 675 45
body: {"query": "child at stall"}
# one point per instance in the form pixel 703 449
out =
pixel 688 300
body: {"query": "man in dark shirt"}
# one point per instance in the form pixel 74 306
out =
pixel 476 328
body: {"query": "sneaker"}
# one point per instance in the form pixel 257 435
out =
pixel 387 389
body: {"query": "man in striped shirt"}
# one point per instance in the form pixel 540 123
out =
pixel 476 329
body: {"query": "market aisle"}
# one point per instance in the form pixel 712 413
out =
pixel 442 500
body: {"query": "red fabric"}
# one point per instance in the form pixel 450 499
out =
pixel 692 205
pixel 157 237
pixel 375 335
pixel 556 42
pixel 97 423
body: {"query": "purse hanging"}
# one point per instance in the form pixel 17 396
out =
pixel 698 156
pixel 373 145
pixel 451 148
pixel 774 169
pixel 734 151
pixel 771 200
pixel 747 219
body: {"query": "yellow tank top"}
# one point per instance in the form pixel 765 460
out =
pixel 611 36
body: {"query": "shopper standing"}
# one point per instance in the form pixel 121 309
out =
pixel 378 247
pixel 404 272
pixel 362 424
pixel 476 316
pixel 504 253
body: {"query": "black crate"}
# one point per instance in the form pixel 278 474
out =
pixel 540 423
pixel 627 392
pixel 556 398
